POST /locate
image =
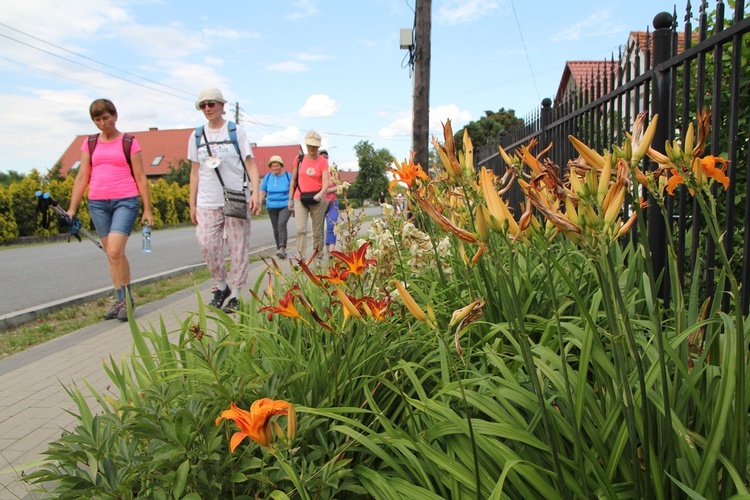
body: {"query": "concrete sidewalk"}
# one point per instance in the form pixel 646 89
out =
pixel 33 403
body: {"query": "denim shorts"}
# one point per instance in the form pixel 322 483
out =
pixel 114 216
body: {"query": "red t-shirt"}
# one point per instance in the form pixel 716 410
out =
pixel 310 175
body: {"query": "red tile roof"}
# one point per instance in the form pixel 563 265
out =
pixel 578 72
pixel 172 146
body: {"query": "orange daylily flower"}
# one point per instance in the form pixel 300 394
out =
pixel 377 309
pixel 256 423
pixel 407 172
pixel 286 306
pixel 336 274
pixel 703 169
pixel 355 261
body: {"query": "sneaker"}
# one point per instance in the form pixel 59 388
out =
pixel 114 312
pixel 232 306
pixel 219 297
pixel 122 315
pixel 281 253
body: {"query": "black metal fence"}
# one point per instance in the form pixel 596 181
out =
pixel 673 74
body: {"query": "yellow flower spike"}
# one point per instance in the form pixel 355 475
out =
pixel 469 153
pixel 431 315
pixel 591 157
pixel 576 186
pixel 604 178
pixel 291 423
pixel 480 222
pixel 644 142
pixel 614 208
pixel 496 206
pixel 674 153
pixel 349 308
pixel 689 139
pixel 411 304
pixel 507 159
pixel 571 212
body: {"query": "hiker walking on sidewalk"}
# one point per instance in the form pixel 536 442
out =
pixel 307 196
pixel 222 162
pixel 112 168
pixel 275 190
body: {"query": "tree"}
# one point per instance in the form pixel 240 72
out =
pixel 488 128
pixel 11 177
pixel 180 175
pixel 371 179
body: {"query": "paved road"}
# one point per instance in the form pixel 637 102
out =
pixel 34 275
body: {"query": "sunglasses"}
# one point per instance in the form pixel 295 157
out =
pixel 210 104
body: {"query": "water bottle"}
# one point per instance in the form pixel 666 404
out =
pixel 146 241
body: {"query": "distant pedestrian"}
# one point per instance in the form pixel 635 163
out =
pixel 332 210
pixel 275 189
pixel 217 164
pixel 114 182
pixel 309 182
pixel 381 201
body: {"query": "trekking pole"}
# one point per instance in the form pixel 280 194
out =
pixel 45 200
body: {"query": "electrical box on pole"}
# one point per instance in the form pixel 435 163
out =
pixel 407 38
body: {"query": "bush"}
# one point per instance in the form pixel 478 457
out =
pixel 8 226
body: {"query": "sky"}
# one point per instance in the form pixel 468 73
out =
pixel 292 65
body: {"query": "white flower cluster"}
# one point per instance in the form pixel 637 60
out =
pixel 415 247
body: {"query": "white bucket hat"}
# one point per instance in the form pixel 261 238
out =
pixel 276 159
pixel 209 94
pixel 312 138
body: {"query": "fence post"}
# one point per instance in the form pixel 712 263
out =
pixel 661 95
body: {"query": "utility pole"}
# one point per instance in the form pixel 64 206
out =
pixel 421 105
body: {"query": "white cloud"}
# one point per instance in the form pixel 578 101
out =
pixel 596 24
pixel 305 56
pixel 454 12
pixel 303 9
pixel 403 125
pixel 289 67
pixel 290 135
pixel 318 105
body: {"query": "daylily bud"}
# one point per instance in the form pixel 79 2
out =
pixel 411 304
pixel 673 152
pixel 604 177
pixel 480 223
pixel 507 159
pixel 645 141
pixel 689 140
pixel 591 157
pixel 614 209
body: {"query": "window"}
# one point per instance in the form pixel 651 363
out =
pixel 76 165
pixel 157 160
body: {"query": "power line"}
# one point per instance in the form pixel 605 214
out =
pixel 525 51
pixel 93 60
pixel 92 68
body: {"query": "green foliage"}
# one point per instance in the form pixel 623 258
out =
pixel 180 175
pixel 6 179
pixel 488 128
pixel 371 179
pixel 8 226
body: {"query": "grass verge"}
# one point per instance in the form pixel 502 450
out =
pixel 70 319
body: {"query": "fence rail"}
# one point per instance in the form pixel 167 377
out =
pixel 673 74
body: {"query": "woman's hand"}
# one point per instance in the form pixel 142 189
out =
pixel 254 204
pixel 147 218
pixel 318 196
pixel 193 215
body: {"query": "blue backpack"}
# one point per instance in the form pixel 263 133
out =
pixel 232 137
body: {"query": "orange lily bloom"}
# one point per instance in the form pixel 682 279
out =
pixel 256 423
pixel 349 304
pixel 407 172
pixel 336 274
pixel 703 169
pixel 355 260
pixel 377 309
pixel 286 306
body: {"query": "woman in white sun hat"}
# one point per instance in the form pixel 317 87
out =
pixel 222 157
pixel 307 196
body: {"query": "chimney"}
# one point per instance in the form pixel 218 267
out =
pixel 150 129
pixel 253 144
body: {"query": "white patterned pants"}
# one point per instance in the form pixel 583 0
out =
pixel 213 229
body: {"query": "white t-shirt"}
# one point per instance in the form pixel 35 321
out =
pixel 231 167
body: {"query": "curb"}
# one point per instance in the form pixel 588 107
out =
pixel 26 315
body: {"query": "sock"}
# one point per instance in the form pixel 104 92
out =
pixel 120 293
pixel 221 285
pixel 233 294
